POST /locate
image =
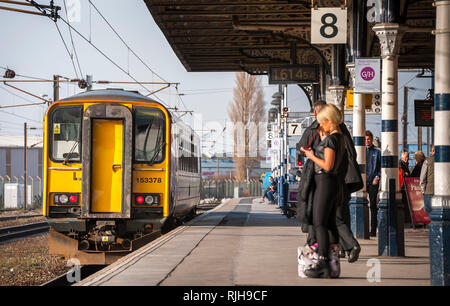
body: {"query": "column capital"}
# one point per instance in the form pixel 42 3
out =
pixel 351 69
pixel 390 36
pixel 337 95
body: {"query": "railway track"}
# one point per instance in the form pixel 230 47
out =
pixel 21 231
pixel 19 217
pixel 85 271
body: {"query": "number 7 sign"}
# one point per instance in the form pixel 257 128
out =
pixel 294 129
pixel 329 25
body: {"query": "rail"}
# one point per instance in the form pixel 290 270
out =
pixel 19 217
pixel 21 231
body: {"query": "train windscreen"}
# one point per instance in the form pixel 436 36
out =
pixel 66 134
pixel 149 140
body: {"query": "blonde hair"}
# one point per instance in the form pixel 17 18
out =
pixel 331 113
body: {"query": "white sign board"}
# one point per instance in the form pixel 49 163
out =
pixel 367 75
pixel 269 135
pixel 276 143
pixel 329 25
pixel 294 129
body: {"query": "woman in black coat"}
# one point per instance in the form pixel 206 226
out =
pixel 329 159
pixel 419 157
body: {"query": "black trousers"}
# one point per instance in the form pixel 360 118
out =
pixel 346 238
pixel 372 190
pixel 324 212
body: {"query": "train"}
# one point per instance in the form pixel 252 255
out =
pixel 118 167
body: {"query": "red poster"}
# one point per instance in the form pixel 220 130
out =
pixel 415 201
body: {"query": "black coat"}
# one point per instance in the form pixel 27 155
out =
pixel 417 169
pixel 353 178
pixel 305 196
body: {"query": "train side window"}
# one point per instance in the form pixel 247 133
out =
pixel 65 127
pixel 149 131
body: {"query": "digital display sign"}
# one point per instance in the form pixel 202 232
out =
pixel 294 74
pixel 423 112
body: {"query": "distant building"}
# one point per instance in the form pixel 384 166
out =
pixel 12 157
pixel 211 165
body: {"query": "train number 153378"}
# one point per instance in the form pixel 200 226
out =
pixel 148 180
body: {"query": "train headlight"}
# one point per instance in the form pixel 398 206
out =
pixel 149 200
pixel 63 199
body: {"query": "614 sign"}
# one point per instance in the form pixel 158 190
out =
pixel 329 25
pixel 294 74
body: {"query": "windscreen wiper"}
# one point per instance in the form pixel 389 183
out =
pixel 68 155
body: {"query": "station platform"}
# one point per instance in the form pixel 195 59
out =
pixel 246 242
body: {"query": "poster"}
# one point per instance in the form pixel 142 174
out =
pixel 416 201
pixel 367 75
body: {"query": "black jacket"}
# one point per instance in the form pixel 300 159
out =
pixel 353 178
pixel 305 196
pixel 310 132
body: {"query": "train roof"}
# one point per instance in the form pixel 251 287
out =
pixel 114 94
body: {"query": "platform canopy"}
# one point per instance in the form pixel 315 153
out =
pixel 251 35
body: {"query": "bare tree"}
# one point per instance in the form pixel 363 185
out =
pixel 247 112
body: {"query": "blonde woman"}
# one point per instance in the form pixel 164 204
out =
pixel 329 166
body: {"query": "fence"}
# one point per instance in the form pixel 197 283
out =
pixel 221 189
pixel 36 189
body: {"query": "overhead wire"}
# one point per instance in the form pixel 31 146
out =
pixel 71 38
pixel 16 95
pixel 67 49
pixel 102 53
pixel 179 96
pixel 109 59
pixel 19 116
pixel 129 49
pixel 9 122
pixel 24 76
pixel 123 41
pixel 409 81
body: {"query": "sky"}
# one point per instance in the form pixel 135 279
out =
pixel 32 46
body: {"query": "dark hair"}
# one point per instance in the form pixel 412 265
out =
pixel 319 103
pixel 369 133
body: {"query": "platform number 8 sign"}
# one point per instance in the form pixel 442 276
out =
pixel 329 25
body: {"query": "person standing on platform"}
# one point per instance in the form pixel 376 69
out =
pixel 353 182
pixel 330 166
pixel 373 175
pixel 427 180
pixel 419 157
pixel 404 164
pixel 310 137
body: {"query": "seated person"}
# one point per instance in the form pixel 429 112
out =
pixel 270 190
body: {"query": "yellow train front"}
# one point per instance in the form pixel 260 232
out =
pixel 118 166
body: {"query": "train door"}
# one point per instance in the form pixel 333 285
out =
pixel 107 160
pixel 107 166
